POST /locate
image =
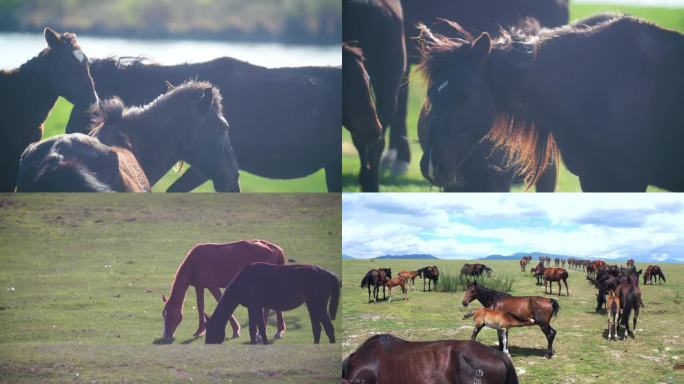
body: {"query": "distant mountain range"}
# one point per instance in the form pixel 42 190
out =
pixel 403 257
pixel 347 257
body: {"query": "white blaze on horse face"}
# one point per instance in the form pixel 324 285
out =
pixel 78 54
pixel 442 86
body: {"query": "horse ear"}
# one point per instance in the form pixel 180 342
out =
pixel 164 298
pixel 207 99
pixel 52 38
pixel 481 47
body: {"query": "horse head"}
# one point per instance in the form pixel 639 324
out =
pixel 470 293
pixel 172 315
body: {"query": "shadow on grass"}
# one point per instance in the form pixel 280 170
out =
pixel 164 340
pixel 189 341
pixel 524 351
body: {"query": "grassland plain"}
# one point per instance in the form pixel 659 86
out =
pixel 583 355
pixel 82 278
pixel 413 181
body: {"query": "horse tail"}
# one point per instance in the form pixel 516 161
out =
pixel 469 314
pixel 334 297
pixel 628 308
pixel 555 306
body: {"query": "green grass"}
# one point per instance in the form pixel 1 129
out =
pixel 582 354
pixel 413 181
pixel 82 278
pixel 59 116
pixel 451 280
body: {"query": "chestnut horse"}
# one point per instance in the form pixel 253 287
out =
pixel 539 309
pixel 397 281
pixel 653 273
pixel 28 93
pixel 431 274
pixel 130 149
pixel 283 288
pixel 213 266
pixel 386 359
pixel 613 309
pixel 410 275
pixel 555 274
pixel 499 320
pixel 524 261
pixel 376 278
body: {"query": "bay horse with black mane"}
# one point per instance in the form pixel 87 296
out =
pixel 431 274
pixel 212 266
pixel 376 278
pixel 285 122
pixel 279 287
pixel 386 359
pixel 653 273
pixel 539 309
pixel 28 93
pixel 130 149
pixel 525 93
pixel 555 274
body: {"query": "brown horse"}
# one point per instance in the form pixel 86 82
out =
pixel 613 309
pixel 555 274
pixel 538 272
pixel 397 281
pixel 499 320
pixel 431 274
pixel 285 122
pixel 28 93
pixel 376 26
pixel 280 287
pixel 476 270
pixel 359 115
pixel 517 90
pixel 630 300
pixel 132 148
pixel 376 278
pixel 410 275
pixel 385 359
pixel 524 261
pixel 653 273
pixel 539 309
pixel 213 266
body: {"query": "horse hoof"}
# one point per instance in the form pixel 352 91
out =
pixel 235 336
pixel 278 335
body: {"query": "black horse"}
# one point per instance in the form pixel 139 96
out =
pixel 527 94
pixel 131 149
pixel 476 17
pixel 376 278
pixel 285 122
pixel 476 270
pixel 28 93
pixel 431 274
pixel 376 26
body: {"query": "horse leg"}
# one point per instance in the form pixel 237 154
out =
pixel 281 325
pixel 315 318
pixel 565 281
pixel 200 308
pixel 333 174
pixel 550 334
pixel 476 330
pixel 216 292
pixel 634 321
pixel 254 313
pixel 499 334
pixel 399 154
pixel 559 287
pixel 261 323
pixel 369 293
pixel 266 312
pixel 327 324
pixel 390 293
pixel 504 334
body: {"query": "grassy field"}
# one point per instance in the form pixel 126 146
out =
pixel 583 355
pixel 82 278
pixel 59 116
pixel 414 181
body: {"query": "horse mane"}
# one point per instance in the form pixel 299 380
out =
pixel 489 295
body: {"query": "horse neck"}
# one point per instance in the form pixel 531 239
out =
pixel 180 286
pixel 488 297
pixel 226 305
pixel 29 92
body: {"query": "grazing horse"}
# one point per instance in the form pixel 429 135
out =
pixel 386 359
pixel 653 273
pixel 524 92
pixel 376 26
pixel 555 274
pixel 280 287
pixel 285 122
pixel 376 278
pixel 630 299
pixel 538 272
pixel 499 320
pixel 476 270
pixel 524 261
pixel 28 93
pixel 431 274
pixel 539 309
pixel 212 266
pixel 359 115
pixel 132 148
pixel 613 306
pixel 397 281
pixel 478 16
pixel 410 275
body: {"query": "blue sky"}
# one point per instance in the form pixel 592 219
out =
pixel 467 226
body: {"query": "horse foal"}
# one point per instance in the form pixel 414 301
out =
pixel 499 320
pixel 613 305
pixel 400 281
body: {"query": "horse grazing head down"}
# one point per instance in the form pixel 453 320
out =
pixel 68 70
pixel 172 315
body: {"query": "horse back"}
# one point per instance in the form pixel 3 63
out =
pixel 538 308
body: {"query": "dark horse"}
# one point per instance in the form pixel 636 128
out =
pixel 526 94
pixel 431 274
pixel 28 93
pixel 376 26
pixel 476 269
pixel 475 16
pixel 279 287
pixel 388 359
pixel 359 115
pixel 555 274
pixel 610 278
pixel 376 278
pixel 131 149
pixel 285 122
pixel 653 273
pixel 540 309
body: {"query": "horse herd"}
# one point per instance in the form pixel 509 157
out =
pixel 254 274
pixel 284 122
pixel 394 359
pixel 507 97
pixel 382 277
